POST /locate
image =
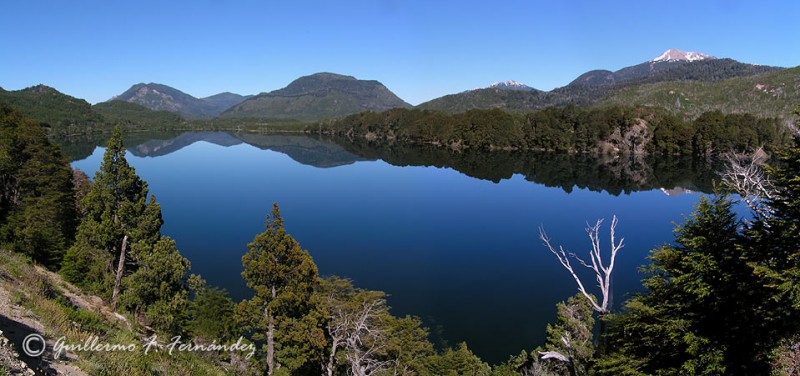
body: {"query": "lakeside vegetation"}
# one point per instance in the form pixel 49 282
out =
pixel 717 301
pixel 610 130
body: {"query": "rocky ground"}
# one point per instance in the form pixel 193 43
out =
pixel 16 323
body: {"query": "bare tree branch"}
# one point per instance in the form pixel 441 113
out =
pixel 553 355
pixel 745 175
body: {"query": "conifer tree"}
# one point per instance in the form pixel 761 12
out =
pixel 569 340
pixel 117 216
pixel 458 361
pixel 773 249
pixel 281 312
pixel 157 289
pixel 211 312
pixel 700 311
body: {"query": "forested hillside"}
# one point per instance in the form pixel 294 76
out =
pixel 609 130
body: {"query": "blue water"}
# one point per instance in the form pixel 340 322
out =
pixel 461 253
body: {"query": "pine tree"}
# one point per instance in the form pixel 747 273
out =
pixel 773 249
pixel 458 361
pixel 281 313
pixel 157 289
pixel 700 312
pixel 211 312
pixel 117 216
pixel 571 335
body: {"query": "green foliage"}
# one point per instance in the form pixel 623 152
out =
pixel 593 86
pixel 42 296
pixel 37 202
pixel 283 277
pixel 89 268
pixel 773 249
pixel 702 311
pixel 61 114
pixel 131 115
pixel 571 335
pixel 211 314
pixel 770 94
pixel 507 100
pixel 115 202
pixel 408 347
pixel 117 216
pixel 456 362
pixel 157 288
pixel 52 109
pixel 115 207
pixel 610 130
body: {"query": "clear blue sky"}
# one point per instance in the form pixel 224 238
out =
pixel 419 49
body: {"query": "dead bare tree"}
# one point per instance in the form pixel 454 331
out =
pixel 745 175
pixel 356 328
pixel 601 271
pixel 366 339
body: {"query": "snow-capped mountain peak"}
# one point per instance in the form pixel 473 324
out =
pixel 510 85
pixel 678 55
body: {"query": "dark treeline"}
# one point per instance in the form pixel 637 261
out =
pixel 572 129
pixel 723 299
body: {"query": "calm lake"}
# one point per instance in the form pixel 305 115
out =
pixel 452 238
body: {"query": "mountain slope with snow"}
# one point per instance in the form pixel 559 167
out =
pixel 674 54
pixel 510 85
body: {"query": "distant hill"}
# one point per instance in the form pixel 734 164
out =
pixel 319 96
pixel 160 97
pixel 128 114
pixel 509 100
pixel 671 66
pixel 65 114
pixel 770 94
pixel 593 85
pixel 50 107
pixel 223 101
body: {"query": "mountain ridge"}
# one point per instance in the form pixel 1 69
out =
pixel 594 85
pixel 329 95
pixel 160 97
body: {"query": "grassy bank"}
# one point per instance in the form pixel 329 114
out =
pixel 34 300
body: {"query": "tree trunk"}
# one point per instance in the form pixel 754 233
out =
pixel 270 337
pixel 601 335
pixel 120 270
pixel 571 367
pixel 332 357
